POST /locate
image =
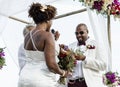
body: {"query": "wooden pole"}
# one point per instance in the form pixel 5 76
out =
pixel 109 39
pixel 71 13
pixel 14 18
pixel 109 31
pixel 57 17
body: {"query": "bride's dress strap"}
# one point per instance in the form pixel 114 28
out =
pixel 33 40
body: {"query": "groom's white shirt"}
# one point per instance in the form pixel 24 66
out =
pixel 92 66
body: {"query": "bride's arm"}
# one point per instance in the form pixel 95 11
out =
pixel 49 52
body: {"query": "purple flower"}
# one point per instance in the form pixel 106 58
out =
pixel 2 59
pixel 98 5
pixel 111 77
pixel 116 2
pixel 2 54
pixel 65 47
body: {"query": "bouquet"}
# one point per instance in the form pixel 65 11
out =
pixel 111 79
pixel 67 60
pixel 2 59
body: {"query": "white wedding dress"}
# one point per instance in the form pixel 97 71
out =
pixel 35 73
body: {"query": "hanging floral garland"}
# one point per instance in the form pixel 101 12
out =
pixel 114 8
pixel 106 7
pixel 2 59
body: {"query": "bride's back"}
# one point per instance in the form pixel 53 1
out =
pixel 35 39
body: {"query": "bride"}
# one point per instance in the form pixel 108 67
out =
pixel 41 66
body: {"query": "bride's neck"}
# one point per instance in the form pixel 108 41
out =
pixel 42 26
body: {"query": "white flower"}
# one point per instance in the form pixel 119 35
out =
pixel 83 48
pixel 44 7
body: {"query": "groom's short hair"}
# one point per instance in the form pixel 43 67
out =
pixel 82 24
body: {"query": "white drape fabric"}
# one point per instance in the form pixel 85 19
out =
pixel 99 27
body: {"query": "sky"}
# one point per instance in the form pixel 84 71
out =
pixel 11 37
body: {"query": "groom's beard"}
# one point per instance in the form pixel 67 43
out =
pixel 80 39
pixel 81 42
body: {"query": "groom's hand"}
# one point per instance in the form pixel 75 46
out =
pixel 67 74
pixel 80 57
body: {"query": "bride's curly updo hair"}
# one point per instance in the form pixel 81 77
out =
pixel 41 13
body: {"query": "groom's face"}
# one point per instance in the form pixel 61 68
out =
pixel 81 33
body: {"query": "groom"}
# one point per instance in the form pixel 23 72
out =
pixel 87 72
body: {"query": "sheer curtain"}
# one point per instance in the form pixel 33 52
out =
pixel 99 27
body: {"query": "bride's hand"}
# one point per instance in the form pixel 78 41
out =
pixel 67 74
pixel 57 35
pixel 62 51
